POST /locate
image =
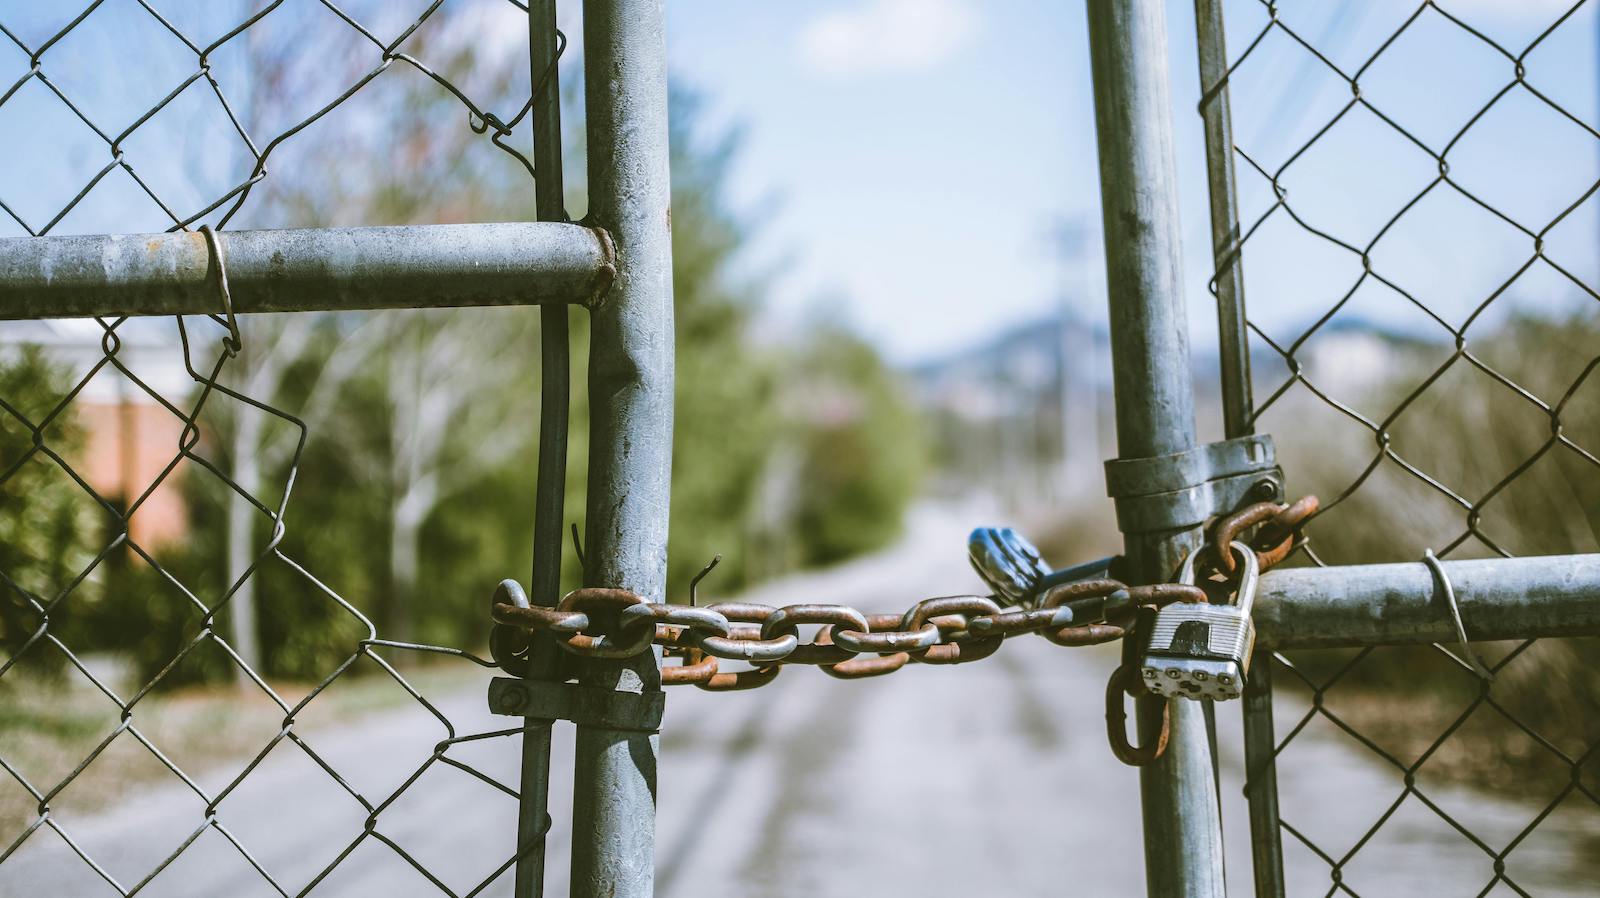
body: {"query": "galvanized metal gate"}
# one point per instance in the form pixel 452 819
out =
pixel 1361 607
pixel 617 265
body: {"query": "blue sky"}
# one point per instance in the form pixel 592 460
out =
pixel 911 163
pixel 918 168
pixel 923 152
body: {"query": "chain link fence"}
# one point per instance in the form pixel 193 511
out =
pixel 157 460
pixel 1415 233
pixel 126 443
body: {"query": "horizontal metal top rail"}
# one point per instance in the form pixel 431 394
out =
pixel 1386 604
pixel 323 269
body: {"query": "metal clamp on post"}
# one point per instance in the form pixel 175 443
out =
pixel 1173 492
pixel 583 705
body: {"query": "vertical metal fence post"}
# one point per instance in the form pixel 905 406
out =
pixel 1217 112
pixel 554 398
pixel 630 436
pixel 1154 392
pixel 1260 742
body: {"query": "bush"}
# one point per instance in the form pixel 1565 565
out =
pixel 50 525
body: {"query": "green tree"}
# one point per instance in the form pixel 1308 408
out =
pixel 412 494
pixel 864 452
pixel 49 523
pixel 408 414
pixel 725 423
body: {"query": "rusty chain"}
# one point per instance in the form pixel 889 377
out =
pixel 849 644
pixel 1279 533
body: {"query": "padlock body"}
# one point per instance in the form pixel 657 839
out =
pixel 1199 651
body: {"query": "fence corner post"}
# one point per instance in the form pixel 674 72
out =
pixel 1154 393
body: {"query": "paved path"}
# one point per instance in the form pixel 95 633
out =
pixel 989 779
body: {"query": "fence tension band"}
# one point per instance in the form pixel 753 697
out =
pixel 583 705
pixel 1181 490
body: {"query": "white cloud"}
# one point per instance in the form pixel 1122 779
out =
pixel 887 36
pixel 1516 9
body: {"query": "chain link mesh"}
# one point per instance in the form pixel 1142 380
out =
pixel 1488 448
pixel 48 447
pixel 1417 247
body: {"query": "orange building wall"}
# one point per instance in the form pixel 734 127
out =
pixel 128 446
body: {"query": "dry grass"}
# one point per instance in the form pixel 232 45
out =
pixel 1405 699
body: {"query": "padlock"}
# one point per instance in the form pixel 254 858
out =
pixel 1203 651
pixel 1014 569
pixel 1007 562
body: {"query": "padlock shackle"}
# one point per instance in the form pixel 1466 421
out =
pixel 1249 576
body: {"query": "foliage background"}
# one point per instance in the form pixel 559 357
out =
pixel 413 492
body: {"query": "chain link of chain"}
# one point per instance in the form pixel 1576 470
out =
pixel 851 644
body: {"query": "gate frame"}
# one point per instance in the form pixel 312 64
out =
pixel 1323 607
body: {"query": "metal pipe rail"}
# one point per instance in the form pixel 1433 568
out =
pixel 1399 604
pixel 305 270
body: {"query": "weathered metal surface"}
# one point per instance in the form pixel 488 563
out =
pixel 597 623
pixel 630 425
pixel 786 621
pixel 1154 395
pixel 697 668
pixel 1397 604
pixel 1156 737
pixel 887 641
pixel 866 666
pixel 1279 532
pixel 1008 563
pixel 555 392
pixel 1183 489
pixel 611 640
pixel 324 269
pixel 1201 650
pixel 541 618
pixel 1150 365
pixel 1182 470
pixel 1087 570
pixel 579 704
pixel 950 614
pixel 1216 110
pixel 1261 778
